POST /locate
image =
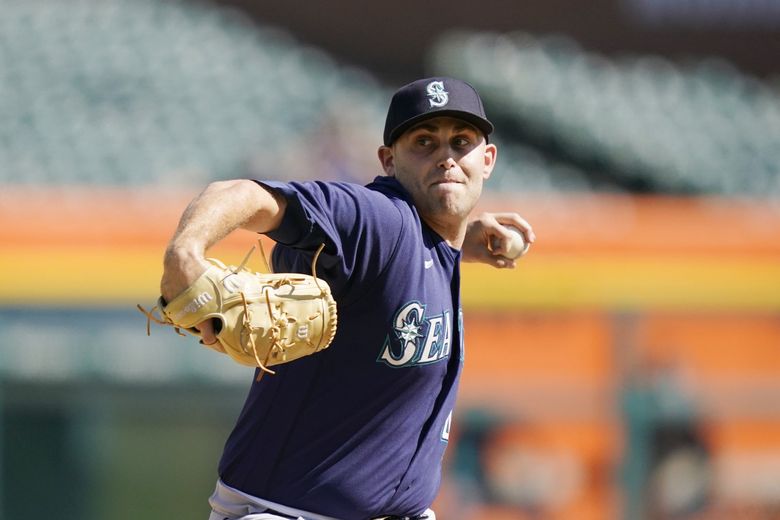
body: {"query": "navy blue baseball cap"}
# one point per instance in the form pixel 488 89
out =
pixel 434 97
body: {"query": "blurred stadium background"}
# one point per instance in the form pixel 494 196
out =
pixel 629 369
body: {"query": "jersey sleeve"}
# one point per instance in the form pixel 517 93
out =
pixel 361 229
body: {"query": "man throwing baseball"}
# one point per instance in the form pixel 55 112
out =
pixel 358 431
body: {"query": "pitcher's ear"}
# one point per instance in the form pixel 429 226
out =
pixel 491 154
pixel 386 159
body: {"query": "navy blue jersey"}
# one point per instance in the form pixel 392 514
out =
pixel 359 429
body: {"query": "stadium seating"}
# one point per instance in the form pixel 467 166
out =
pixel 146 92
pixel 696 127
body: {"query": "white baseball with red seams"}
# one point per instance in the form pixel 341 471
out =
pixel 518 245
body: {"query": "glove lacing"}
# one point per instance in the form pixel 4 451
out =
pixel 279 321
pixel 162 320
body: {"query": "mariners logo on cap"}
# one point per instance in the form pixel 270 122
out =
pixel 437 96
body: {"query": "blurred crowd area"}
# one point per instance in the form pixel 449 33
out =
pixel 159 92
pixel 629 369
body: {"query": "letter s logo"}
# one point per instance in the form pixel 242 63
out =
pixel 407 325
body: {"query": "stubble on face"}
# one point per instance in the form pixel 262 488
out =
pixel 443 194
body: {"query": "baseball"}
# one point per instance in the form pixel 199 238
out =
pixel 517 247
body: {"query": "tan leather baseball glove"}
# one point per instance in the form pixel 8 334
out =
pixel 261 319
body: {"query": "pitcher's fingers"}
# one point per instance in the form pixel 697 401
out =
pixel 500 262
pixel 207 336
pixel 514 219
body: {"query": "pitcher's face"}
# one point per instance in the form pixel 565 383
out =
pixel 442 162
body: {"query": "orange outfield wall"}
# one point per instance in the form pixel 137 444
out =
pixel 603 251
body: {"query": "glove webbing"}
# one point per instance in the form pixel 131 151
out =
pixel 275 330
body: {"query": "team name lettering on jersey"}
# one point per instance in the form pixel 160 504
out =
pixel 418 340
